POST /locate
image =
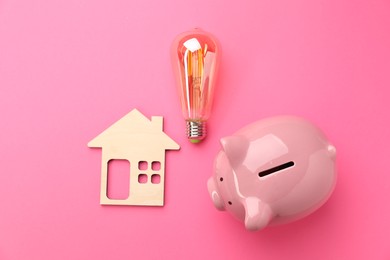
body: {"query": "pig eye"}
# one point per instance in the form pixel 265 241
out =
pixel 276 169
pixel 221 179
pixel 229 202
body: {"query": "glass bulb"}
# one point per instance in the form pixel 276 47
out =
pixel 195 59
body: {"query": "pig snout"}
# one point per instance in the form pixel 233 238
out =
pixel 215 197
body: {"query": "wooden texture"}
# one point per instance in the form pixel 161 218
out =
pixel 143 143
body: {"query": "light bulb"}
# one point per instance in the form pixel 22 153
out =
pixel 195 59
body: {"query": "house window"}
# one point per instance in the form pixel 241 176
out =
pixel 142 165
pixel 149 172
pixel 118 179
pixel 156 166
pixel 142 178
pixel 156 178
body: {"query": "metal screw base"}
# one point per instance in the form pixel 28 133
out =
pixel 196 131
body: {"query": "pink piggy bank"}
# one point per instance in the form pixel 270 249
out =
pixel 273 171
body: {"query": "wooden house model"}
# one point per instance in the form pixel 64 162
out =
pixel 140 141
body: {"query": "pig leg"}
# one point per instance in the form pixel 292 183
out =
pixel 257 214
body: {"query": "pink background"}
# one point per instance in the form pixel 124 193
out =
pixel 69 69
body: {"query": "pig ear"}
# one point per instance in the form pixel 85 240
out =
pixel 235 147
pixel 257 214
pixel 215 197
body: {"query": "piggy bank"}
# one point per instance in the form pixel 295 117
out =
pixel 273 171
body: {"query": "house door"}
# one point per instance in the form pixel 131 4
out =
pixel 118 179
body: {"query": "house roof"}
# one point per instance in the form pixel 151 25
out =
pixel 136 129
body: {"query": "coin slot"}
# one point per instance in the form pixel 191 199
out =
pixel 276 169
